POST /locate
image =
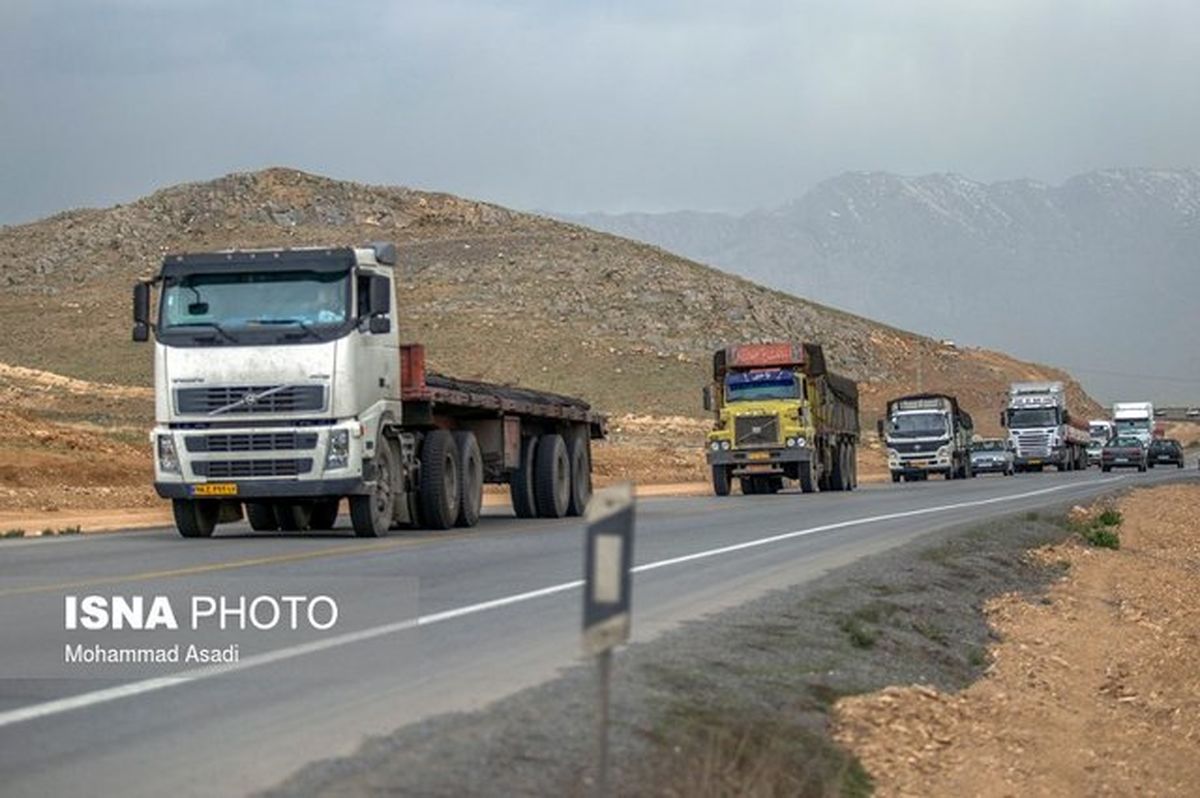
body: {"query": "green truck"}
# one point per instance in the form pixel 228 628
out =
pixel 780 414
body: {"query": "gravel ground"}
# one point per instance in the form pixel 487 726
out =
pixel 737 703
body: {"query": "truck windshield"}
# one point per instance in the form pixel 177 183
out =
pixel 1033 417
pixel 919 425
pixel 987 446
pixel 227 302
pixel 1130 425
pixel 761 385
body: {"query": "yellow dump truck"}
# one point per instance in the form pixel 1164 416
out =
pixel 780 414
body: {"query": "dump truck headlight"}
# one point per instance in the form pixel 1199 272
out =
pixel 338 453
pixel 801 443
pixel 791 443
pixel 168 458
pixel 725 445
pixel 715 446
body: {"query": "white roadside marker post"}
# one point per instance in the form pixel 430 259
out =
pixel 608 563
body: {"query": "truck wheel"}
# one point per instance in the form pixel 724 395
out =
pixel 440 486
pixel 293 516
pixel 748 485
pixel 896 477
pixel 371 515
pixel 261 516
pixel 324 514
pixel 806 481
pixel 520 484
pixel 195 518
pixel 1141 469
pixel 470 478
pixel 773 484
pixel 581 474
pixel 853 466
pixel 720 480
pixel 552 477
pixel 836 473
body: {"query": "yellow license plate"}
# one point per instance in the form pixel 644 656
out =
pixel 759 456
pixel 919 463
pixel 1035 461
pixel 215 489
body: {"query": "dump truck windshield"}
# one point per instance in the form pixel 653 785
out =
pixel 919 425
pixel 751 385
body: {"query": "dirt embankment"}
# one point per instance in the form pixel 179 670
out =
pixel 1093 691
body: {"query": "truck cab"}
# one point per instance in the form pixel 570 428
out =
pixel 1041 429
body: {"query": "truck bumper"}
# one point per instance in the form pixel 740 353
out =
pixel 268 489
pixel 1033 461
pixel 760 461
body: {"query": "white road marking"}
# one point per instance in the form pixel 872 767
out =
pixel 93 698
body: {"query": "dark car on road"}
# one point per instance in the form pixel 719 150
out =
pixel 1166 451
pixel 1124 451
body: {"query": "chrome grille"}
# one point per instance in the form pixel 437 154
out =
pixel 257 399
pixel 237 469
pixel 251 442
pixel 923 447
pixel 756 430
pixel 1033 444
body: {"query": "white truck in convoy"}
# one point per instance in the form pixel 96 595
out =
pixel 1041 429
pixel 281 388
pixel 1100 432
pixel 927 434
pixel 1136 419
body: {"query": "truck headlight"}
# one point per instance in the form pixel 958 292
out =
pixel 943 452
pixel 725 445
pixel 715 446
pixel 168 458
pixel 801 443
pixel 791 443
pixel 338 453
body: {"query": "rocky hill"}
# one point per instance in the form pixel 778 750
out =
pixel 496 295
pixel 1018 265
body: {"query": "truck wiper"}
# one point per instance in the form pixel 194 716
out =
pixel 301 323
pixel 214 325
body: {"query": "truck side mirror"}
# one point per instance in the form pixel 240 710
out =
pixel 707 397
pixel 380 295
pixel 879 427
pixel 141 312
pixel 1003 421
pixel 378 325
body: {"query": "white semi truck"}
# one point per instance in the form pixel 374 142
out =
pixel 1136 419
pixel 1041 429
pixel 281 388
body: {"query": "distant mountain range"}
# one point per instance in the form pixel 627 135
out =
pixel 1100 274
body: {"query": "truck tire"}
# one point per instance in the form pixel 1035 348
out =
pixel 748 485
pixel 261 516
pixel 720 480
pixel 773 484
pixel 439 484
pixel 293 516
pixel 195 518
pixel 581 474
pixel 807 483
pixel 1142 469
pixel 520 484
pixel 552 477
pixel 896 476
pixel 470 478
pixel 324 514
pixel 371 515
pixel 836 475
pixel 853 466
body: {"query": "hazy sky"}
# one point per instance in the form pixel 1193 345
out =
pixel 648 104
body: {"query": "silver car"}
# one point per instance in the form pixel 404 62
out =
pixel 992 455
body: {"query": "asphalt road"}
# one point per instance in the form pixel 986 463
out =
pixel 428 623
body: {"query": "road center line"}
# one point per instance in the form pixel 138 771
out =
pixel 96 697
